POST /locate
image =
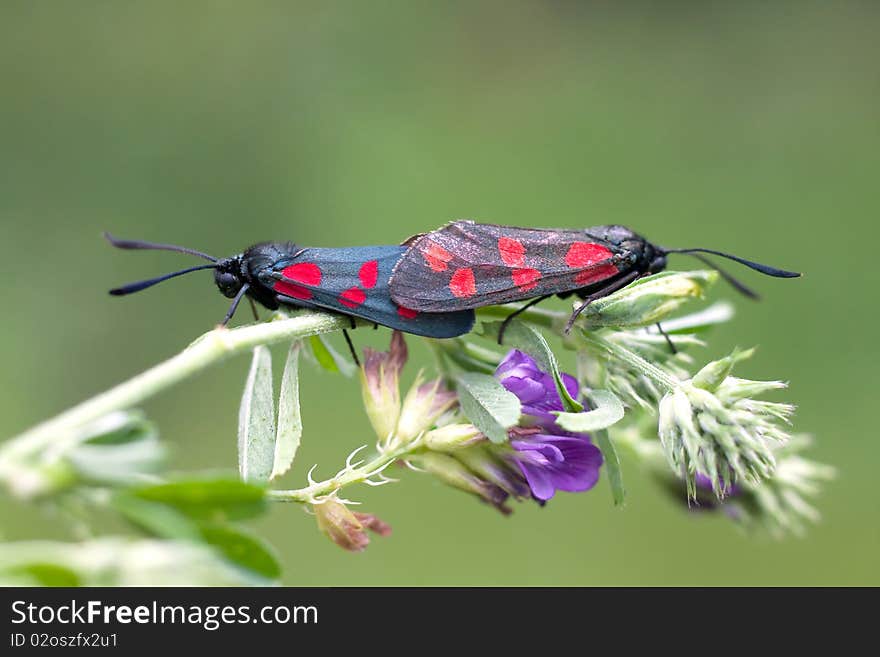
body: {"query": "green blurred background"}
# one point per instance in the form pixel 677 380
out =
pixel 750 127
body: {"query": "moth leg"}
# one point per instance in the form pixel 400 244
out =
pixel 290 301
pixel 516 312
pixel 235 302
pixel 621 282
pixel 354 355
pixel 254 309
pixel 668 339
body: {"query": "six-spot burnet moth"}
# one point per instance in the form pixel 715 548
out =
pixel 352 281
pixel 466 265
pixel 430 285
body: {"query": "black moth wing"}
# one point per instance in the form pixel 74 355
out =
pixel 354 281
pixel 466 265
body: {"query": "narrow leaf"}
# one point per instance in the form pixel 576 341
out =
pixel 607 410
pixel 242 548
pixel 328 358
pixel 207 498
pixel 486 403
pixel 256 420
pixel 525 338
pixel 697 322
pixel 612 466
pixel 289 420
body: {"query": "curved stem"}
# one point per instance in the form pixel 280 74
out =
pixel 212 347
pixel 631 359
pixel 347 477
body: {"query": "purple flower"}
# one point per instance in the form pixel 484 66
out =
pixel 705 498
pixel 550 463
pixel 549 458
pixel 537 393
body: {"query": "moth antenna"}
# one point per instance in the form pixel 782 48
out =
pixel 137 286
pixel 139 245
pixel 735 283
pixel 757 266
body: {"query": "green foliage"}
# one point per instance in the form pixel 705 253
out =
pixel 328 358
pixel 486 403
pixel 207 499
pixel 289 431
pixel 256 420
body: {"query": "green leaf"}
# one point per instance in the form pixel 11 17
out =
pixel 328 358
pixel 607 410
pixel 527 339
pixel 235 544
pixel 612 466
pixel 39 574
pixel 486 403
pixel 289 420
pixel 242 548
pixel 155 518
pixel 118 462
pixel 256 420
pixel 117 428
pixel 456 352
pixel 207 499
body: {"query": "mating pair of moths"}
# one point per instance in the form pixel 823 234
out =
pixel 431 283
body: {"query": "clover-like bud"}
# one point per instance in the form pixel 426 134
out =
pixel 710 425
pixel 380 385
pixel 779 504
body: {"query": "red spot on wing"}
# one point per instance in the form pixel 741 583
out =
pixel 307 273
pixel 462 283
pixel 526 279
pixel 352 297
pixel 292 290
pixel 512 252
pixel 436 256
pixel 407 313
pixel 369 273
pixel 584 254
pixel 594 275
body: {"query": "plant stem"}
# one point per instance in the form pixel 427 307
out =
pixel 546 318
pixel 624 355
pixel 212 347
pixel 346 477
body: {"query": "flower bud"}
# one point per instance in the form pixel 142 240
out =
pixel 453 437
pixel 424 403
pixel 648 300
pixel 488 463
pixel 713 374
pixel 341 525
pixel 373 523
pixel 453 472
pixel 380 385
